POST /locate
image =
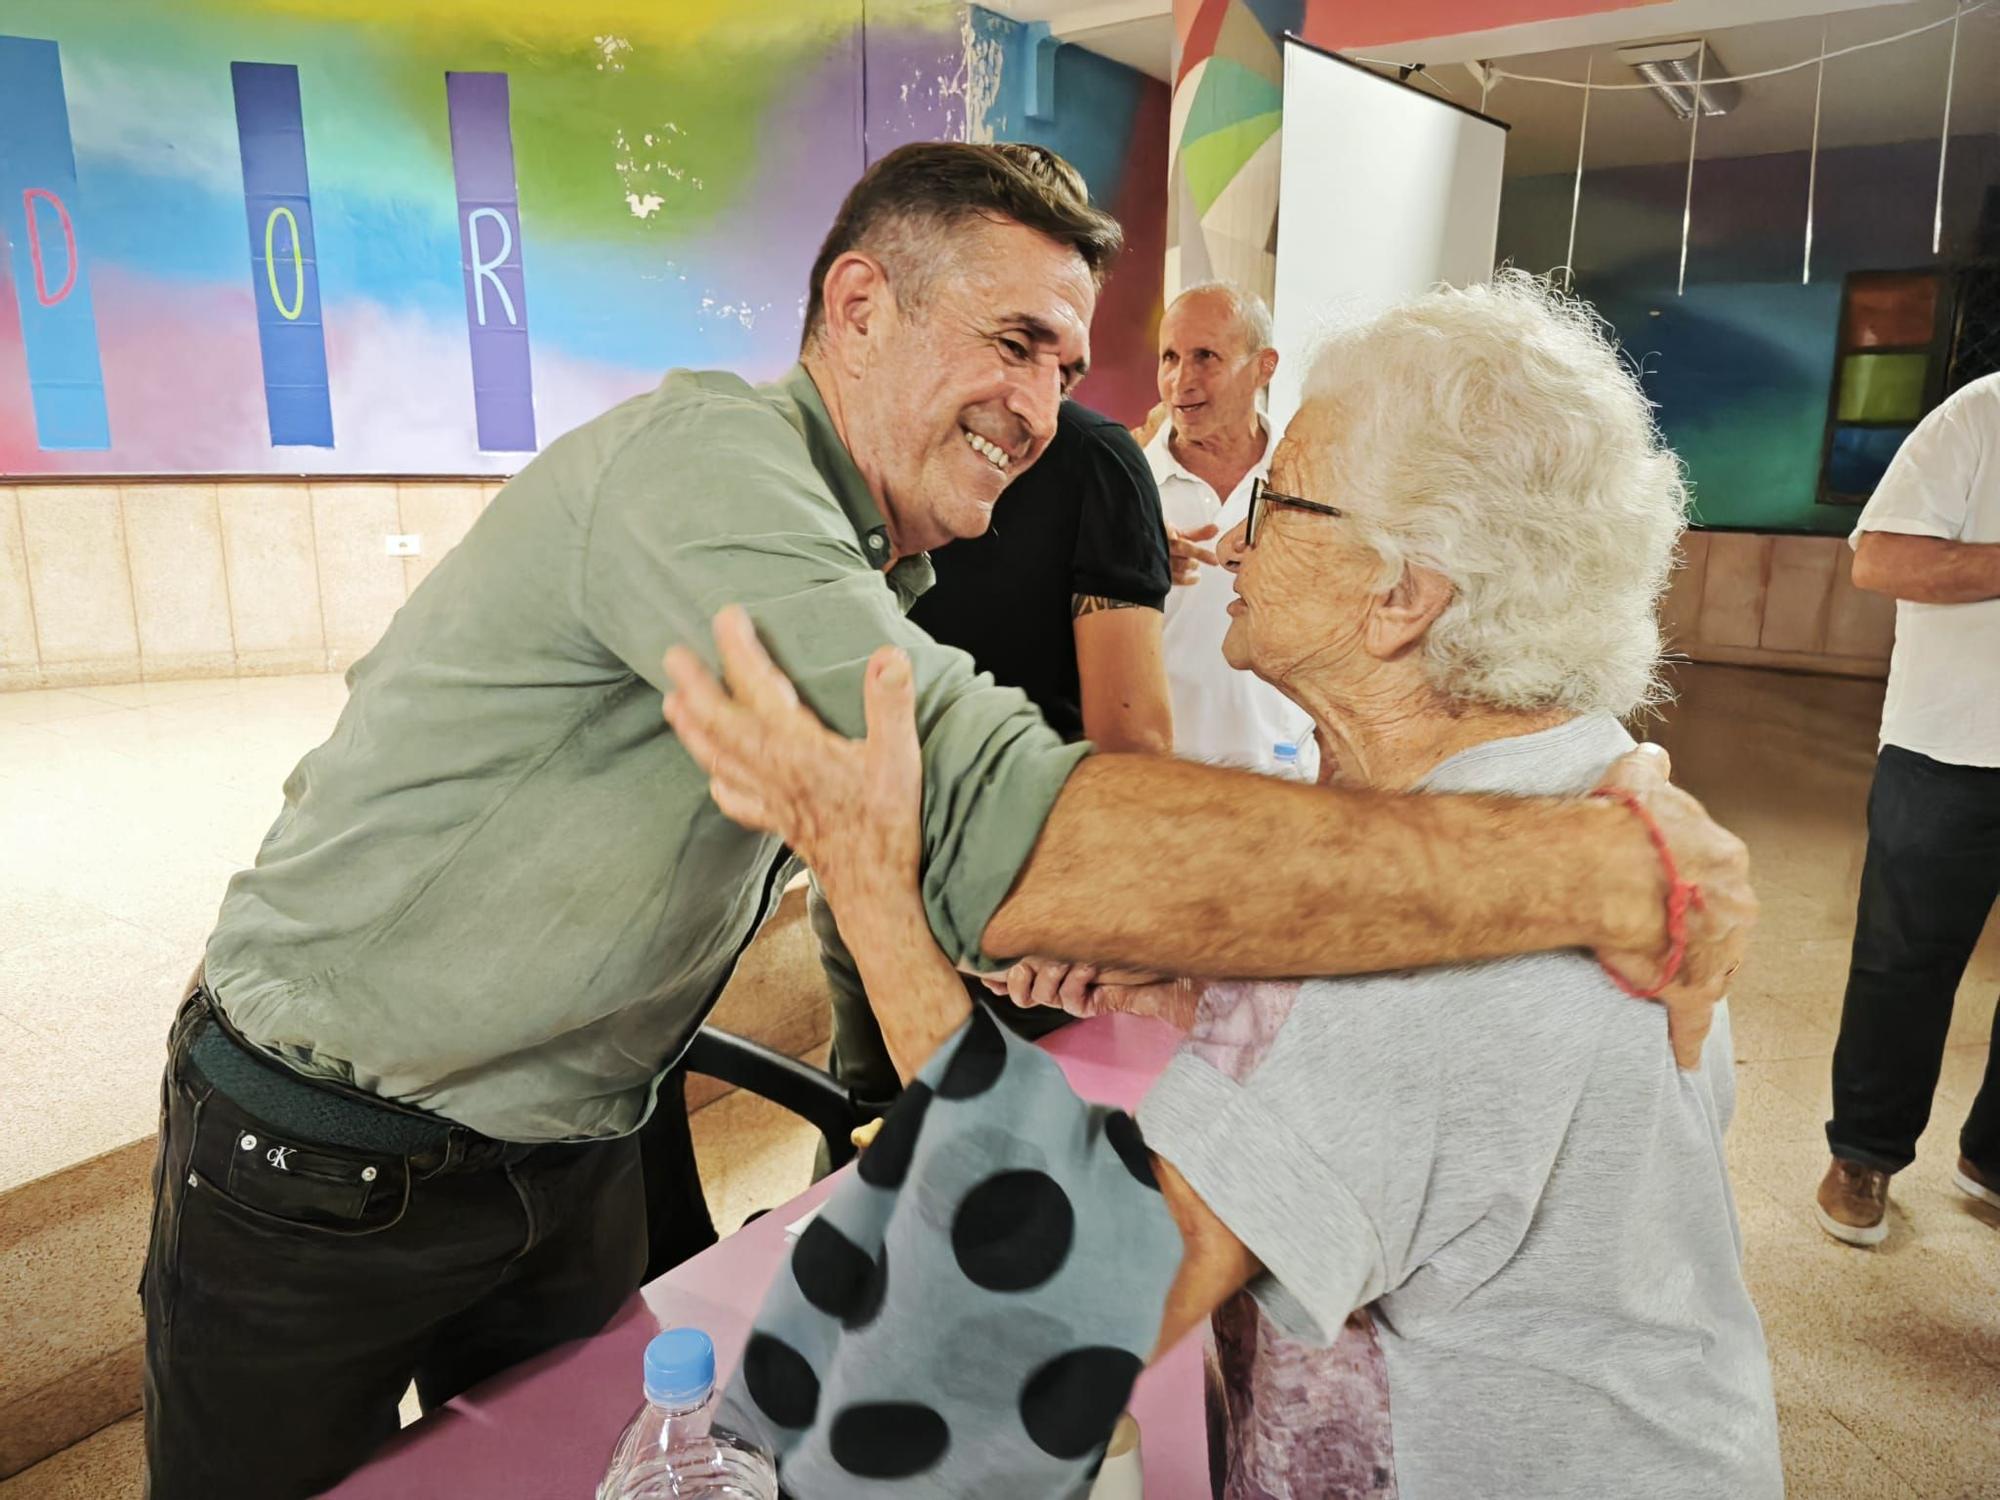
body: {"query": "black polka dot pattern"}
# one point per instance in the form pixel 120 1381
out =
pixel 832 1271
pixel 1123 1132
pixel 873 1293
pixel 886 1163
pixel 977 1062
pixel 780 1381
pixel 888 1439
pixel 1032 1248
pixel 1013 1231
pixel 1070 1404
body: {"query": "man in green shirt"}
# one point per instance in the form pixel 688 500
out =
pixel 398 1130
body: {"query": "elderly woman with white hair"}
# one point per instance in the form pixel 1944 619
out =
pixel 1463 1232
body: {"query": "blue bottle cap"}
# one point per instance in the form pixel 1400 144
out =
pixel 680 1367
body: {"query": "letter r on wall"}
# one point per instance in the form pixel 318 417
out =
pixel 482 270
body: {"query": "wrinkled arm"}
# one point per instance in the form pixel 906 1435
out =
pixel 1276 879
pixel 1215 1264
pixel 1927 569
pixel 1172 867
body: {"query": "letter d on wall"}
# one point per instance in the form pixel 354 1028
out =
pixel 489 238
pixel 38 214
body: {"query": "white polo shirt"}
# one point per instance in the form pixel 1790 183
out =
pixel 1944 675
pixel 1221 715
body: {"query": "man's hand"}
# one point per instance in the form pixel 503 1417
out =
pixel 1187 555
pixel 1718 925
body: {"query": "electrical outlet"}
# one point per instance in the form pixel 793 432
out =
pixel 408 544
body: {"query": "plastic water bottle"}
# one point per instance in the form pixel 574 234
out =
pixel 671 1448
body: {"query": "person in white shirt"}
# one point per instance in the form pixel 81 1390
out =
pixel 1930 538
pixel 1215 360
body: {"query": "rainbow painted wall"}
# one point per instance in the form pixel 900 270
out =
pixel 367 237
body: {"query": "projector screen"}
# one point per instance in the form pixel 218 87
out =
pixel 1383 191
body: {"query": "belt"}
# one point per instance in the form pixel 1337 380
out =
pixel 263 1086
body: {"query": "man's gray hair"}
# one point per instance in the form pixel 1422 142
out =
pixel 1253 314
pixel 905 207
pixel 1495 435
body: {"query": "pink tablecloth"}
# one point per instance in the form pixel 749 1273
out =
pixel 544 1430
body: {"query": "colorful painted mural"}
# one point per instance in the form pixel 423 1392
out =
pixel 355 236
pixel 1111 121
pixel 1229 84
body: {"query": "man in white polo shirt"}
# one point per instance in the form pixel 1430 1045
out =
pixel 1215 357
pixel 1930 537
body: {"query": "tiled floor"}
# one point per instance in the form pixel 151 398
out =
pixel 1887 1363
pixel 123 813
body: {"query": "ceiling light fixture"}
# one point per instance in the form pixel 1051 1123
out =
pixel 1671 68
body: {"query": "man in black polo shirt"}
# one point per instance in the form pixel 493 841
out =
pixel 1061 598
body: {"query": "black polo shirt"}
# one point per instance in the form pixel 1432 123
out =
pixel 1084 520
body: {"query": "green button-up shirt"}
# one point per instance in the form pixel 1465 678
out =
pixel 500 891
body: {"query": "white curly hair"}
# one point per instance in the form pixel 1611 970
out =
pixel 1495 435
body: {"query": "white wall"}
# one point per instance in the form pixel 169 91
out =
pixel 1384 192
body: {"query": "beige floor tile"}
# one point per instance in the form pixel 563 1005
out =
pixel 158 694
pixel 69 1338
pixel 1767 1028
pixel 753 1155
pixel 46 705
pixel 31 915
pixel 110 1466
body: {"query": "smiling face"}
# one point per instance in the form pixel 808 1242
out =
pixel 951 399
pixel 1306 590
pixel 1209 376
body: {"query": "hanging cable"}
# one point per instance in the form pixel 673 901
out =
pixel 1694 135
pixel 1812 167
pixel 1722 78
pixel 1944 135
pixel 1576 194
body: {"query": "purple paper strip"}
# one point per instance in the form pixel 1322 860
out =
pixel 489 240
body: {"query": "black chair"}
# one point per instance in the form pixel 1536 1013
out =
pixel 815 1097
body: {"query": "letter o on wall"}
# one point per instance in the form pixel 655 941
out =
pixel 271 264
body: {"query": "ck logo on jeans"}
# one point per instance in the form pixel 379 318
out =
pixel 277 1157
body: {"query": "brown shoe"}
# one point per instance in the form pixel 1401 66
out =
pixel 1976 1183
pixel 1853 1203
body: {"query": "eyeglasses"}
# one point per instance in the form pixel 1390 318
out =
pixel 1263 498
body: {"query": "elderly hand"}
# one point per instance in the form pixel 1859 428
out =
pixel 1087 990
pixel 849 808
pixel 1185 556
pixel 1718 927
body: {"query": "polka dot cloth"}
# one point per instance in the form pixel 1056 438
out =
pixel 1032 1256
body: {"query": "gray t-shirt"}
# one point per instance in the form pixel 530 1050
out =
pixel 1502 1164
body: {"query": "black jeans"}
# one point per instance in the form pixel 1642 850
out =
pixel 1929 882
pixel 293 1290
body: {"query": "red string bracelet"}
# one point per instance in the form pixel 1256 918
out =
pixel 1681 894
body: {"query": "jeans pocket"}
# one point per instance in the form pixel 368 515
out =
pixel 298 1183
pixel 283 1181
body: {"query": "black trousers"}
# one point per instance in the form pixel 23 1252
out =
pixel 1930 880
pixel 289 1307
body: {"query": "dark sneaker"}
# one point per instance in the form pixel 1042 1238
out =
pixel 1853 1203
pixel 1975 1183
